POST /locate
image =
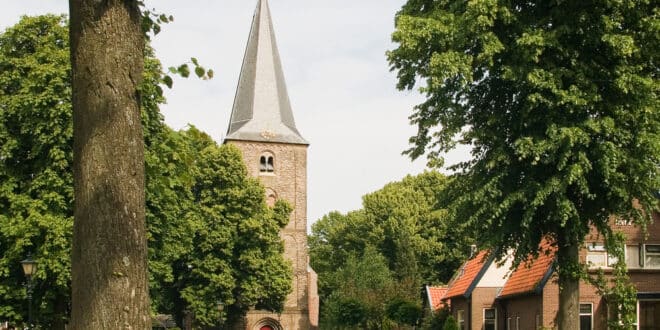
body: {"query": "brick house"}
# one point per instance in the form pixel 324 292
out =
pixel 473 290
pixel 529 296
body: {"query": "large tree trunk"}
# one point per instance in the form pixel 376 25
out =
pixel 109 257
pixel 569 286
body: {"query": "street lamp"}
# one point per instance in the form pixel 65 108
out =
pixel 29 268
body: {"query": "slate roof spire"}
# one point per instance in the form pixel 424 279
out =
pixel 262 110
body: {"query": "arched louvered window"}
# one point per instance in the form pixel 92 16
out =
pixel 267 163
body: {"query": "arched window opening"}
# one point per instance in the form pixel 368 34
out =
pixel 270 167
pixel 267 162
pixel 266 327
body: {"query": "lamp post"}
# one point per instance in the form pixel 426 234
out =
pixel 29 268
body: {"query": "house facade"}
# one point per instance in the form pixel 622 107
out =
pixel 529 296
pixel 473 291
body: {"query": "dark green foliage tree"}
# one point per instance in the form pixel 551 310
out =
pixel 404 311
pixel 191 198
pixel 237 255
pixel 558 100
pixel 36 184
pixel 450 324
pixel 407 224
pixel 436 319
pixel 364 285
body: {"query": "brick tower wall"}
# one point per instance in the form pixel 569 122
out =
pixel 288 181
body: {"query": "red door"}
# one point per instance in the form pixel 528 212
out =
pixel 266 327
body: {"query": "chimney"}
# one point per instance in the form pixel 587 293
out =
pixel 473 251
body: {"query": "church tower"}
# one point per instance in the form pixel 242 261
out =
pixel 263 128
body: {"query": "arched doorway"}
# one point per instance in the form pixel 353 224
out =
pixel 268 324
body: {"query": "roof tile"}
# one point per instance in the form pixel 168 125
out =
pixel 467 275
pixel 528 275
pixel 436 293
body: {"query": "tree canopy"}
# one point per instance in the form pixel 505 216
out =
pixel 405 227
pixel 210 233
pixel 558 100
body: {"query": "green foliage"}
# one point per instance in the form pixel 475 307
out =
pixel 404 311
pixel 237 255
pixel 620 294
pixel 367 284
pixel 450 324
pixel 211 236
pixel 36 184
pixel 558 101
pixel 152 22
pixel 436 320
pixel 406 223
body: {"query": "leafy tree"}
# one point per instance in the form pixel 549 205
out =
pixel 450 324
pixel 237 255
pixel 436 319
pixel 404 311
pixel 407 224
pixel 558 100
pixel 36 193
pixel 36 184
pixel 364 287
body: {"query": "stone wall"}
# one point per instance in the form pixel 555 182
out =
pixel 288 181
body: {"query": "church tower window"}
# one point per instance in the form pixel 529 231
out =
pixel 266 164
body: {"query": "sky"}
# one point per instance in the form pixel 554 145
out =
pixel 344 97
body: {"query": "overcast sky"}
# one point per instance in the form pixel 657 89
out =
pixel 333 52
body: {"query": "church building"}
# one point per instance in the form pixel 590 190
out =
pixel 263 128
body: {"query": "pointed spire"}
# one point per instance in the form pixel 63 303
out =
pixel 262 111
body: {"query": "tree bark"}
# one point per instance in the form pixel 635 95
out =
pixel 569 286
pixel 109 256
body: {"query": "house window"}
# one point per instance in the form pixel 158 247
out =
pixel 518 323
pixel 266 164
pixel 586 316
pixel 632 256
pixel 490 319
pixel 508 323
pixel 648 314
pixel 643 256
pixel 460 317
pixel 651 256
pixel 597 256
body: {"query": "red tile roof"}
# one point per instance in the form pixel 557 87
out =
pixel 467 275
pixel 436 293
pixel 527 277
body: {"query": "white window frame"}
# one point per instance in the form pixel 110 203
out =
pixel 598 249
pixel 460 319
pixel 639 248
pixel 591 314
pixel 494 313
pixel 644 254
pixel 517 322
